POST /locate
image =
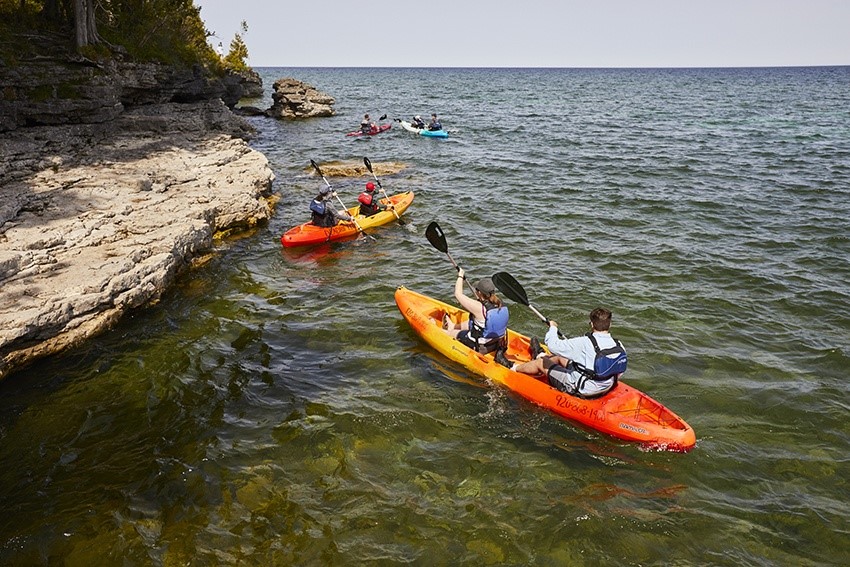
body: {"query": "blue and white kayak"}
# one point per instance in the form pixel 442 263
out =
pixel 423 131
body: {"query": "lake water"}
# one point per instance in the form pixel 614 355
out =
pixel 275 409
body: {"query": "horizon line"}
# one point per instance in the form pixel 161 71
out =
pixel 548 67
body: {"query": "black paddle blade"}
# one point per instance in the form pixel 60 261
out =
pixel 369 167
pixel 435 236
pixel 510 287
pixel 384 117
pixel 316 167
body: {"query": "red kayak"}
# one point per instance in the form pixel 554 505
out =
pixel 372 132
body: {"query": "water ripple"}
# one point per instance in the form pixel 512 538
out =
pixel 275 408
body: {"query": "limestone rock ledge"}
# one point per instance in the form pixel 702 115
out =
pixel 293 99
pixel 96 220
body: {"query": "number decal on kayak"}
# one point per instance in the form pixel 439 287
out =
pixel 575 406
pixel 415 316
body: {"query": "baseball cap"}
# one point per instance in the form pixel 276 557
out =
pixel 485 286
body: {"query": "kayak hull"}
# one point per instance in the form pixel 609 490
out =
pixel 308 234
pixel 624 413
pixel 423 131
pixel 381 128
pixel 434 133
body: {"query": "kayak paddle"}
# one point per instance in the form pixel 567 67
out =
pixel 435 236
pixel 508 285
pixel 319 171
pixel 381 187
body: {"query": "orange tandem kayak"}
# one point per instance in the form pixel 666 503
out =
pixel 624 412
pixel 308 233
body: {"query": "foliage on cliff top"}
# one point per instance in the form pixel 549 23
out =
pixel 168 31
pixel 235 58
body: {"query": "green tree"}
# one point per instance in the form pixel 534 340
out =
pixel 168 31
pixel 236 57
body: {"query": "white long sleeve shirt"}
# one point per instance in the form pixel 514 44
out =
pixel 580 350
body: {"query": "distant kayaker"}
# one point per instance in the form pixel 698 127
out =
pixel 369 205
pixel 435 124
pixel 586 366
pixel 366 125
pixel 322 213
pixel 487 326
pixel 418 122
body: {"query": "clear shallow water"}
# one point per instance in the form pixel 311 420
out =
pixel 275 408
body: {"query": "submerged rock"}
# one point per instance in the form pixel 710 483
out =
pixel 357 168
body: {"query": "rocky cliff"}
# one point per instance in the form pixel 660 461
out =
pixel 72 90
pixel 114 178
pixel 293 99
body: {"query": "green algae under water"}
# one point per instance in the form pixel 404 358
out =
pixel 275 409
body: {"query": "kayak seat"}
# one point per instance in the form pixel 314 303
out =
pixel 492 345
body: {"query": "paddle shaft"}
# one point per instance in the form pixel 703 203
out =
pixel 381 187
pixel 435 236
pixel 471 287
pixel 538 313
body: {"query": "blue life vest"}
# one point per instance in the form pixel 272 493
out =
pixel 609 362
pixel 495 323
pixel 321 214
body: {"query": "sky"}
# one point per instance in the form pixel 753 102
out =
pixel 535 33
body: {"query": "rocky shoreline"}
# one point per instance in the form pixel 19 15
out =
pixel 97 219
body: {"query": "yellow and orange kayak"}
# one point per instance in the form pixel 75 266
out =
pixel 624 412
pixel 308 233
